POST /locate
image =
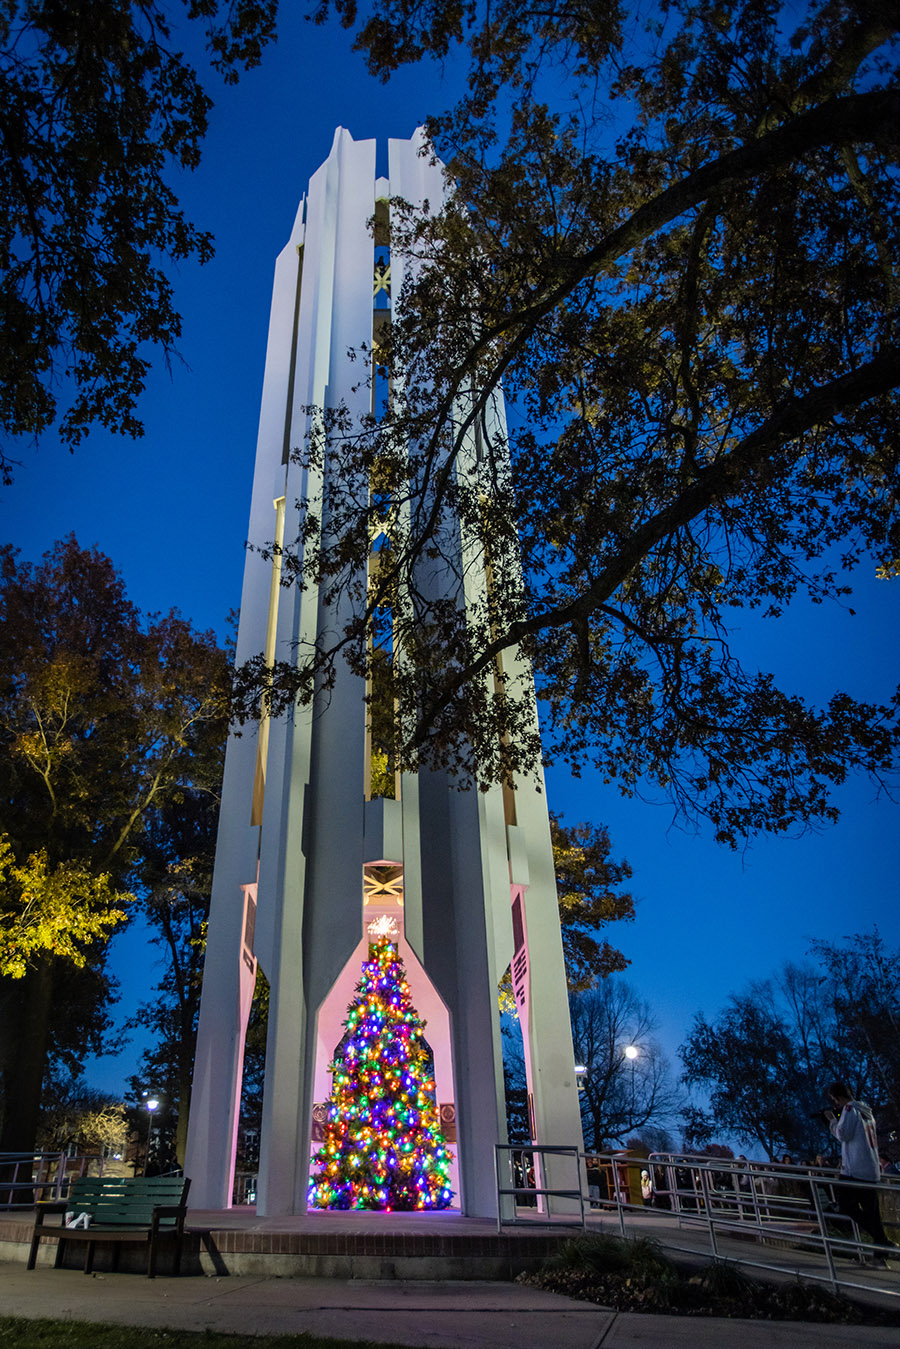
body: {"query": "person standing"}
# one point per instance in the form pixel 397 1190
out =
pixel 853 1125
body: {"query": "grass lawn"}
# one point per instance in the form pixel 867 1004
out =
pixel 19 1332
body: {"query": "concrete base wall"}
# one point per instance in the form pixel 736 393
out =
pixel 425 1268
pixel 382 1255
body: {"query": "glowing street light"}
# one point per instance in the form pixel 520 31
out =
pixel 152 1104
pixel 631 1053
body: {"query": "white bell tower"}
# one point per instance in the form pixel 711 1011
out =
pixel 308 855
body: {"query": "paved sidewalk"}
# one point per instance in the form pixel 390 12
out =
pixel 432 1315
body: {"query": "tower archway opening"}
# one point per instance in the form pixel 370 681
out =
pixel 346 1027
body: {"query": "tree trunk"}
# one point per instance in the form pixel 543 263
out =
pixel 26 1035
pixel 185 1072
pixel 28 1023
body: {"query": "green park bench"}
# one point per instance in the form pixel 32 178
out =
pixel 147 1209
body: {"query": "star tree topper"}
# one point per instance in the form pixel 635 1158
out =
pixel 385 926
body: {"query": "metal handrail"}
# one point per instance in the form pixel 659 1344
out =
pixel 753 1203
pixel 31 1172
pixel 539 1192
pixel 36 1173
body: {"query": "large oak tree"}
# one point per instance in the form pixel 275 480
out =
pixel 674 242
pixel 97 104
pixel 106 719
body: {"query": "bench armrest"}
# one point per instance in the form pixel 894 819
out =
pixel 44 1207
pixel 178 1211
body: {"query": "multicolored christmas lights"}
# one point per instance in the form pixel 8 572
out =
pixel 382 1148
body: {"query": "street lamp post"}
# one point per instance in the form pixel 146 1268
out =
pixel 152 1104
pixel 631 1053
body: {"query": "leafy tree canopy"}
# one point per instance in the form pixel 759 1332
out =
pixel 865 976
pixel 75 1115
pixel 102 716
pixel 674 242
pixel 96 104
pixel 589 897
pixel 587 886
pixel 63 911
pixel 106 720
pixel 760 1089
pixel 765 1061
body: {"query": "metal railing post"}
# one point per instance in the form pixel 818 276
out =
pixel 755 1193
pixel 62 1175
pixel 707 1204
pixel 497 1147
pixel 540 1193
pixel 620 1197
pixel 826 1239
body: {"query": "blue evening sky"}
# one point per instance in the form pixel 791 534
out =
pixel 171 511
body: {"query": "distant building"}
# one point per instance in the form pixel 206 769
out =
pixel 308 853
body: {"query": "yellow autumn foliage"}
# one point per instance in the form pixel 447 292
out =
pixel 382 775
pixel 60 912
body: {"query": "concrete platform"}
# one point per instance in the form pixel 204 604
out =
pixel 435 1246
pixel 421 1315
pixel 445 1246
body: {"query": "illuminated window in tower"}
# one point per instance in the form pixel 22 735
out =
pixel 381 310
pixel 262 743
pixel 381 776
pixel 499 682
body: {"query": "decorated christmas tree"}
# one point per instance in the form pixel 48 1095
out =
pixel 382 1147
